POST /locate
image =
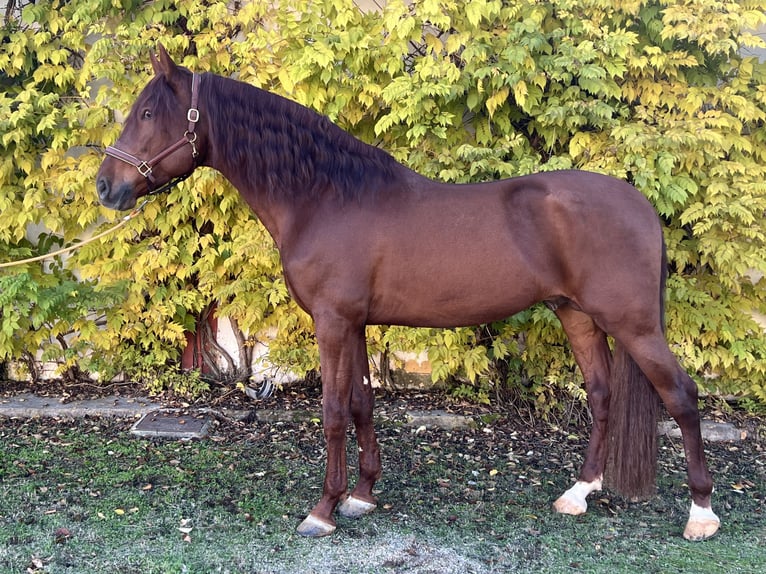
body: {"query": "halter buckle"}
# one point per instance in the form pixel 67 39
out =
pixel 192 115
pixel 144 169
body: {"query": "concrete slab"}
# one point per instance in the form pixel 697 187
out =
pixel 27 405
pixel 711 431
pixel 439 419
pixel 172 424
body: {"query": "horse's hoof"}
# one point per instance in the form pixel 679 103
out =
pixel 313 527
pixel 703 523
pixel 566 505
pixel 353 507
pixel 697 530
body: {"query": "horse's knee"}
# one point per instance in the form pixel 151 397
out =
pixel 335 413
pixel 362 402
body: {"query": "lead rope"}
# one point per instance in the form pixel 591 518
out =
pixel 76 246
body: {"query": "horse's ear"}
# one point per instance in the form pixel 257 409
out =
pixel 162 63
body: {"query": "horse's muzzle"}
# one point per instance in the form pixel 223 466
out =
pixel 121 198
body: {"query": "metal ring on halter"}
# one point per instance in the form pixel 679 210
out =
pixel 192 138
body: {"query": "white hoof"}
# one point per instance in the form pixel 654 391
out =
pixel 573 501
pixel 703 523
pixel 355 508
pixel 565 505
pixel 313 527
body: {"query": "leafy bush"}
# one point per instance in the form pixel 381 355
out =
pixel 56 314
pixel 660 93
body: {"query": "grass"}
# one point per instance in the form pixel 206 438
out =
pixel 84 496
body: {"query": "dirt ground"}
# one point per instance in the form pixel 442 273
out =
pixel 470 501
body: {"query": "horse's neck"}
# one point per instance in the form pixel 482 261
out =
pixel 291 201
pixel 275 215
pixel 255 194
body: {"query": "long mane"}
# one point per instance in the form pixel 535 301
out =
pixel 288 149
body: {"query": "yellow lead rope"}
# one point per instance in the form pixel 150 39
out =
pixel 76 246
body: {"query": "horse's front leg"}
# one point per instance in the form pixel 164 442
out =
pixel 361 501
pixel 340 345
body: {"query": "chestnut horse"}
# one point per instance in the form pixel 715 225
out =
pixel 364 240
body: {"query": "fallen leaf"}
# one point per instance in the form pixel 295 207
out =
pixel 61 535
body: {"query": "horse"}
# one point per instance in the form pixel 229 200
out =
pixel 364 240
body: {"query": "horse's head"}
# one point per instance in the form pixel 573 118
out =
pixel 159 141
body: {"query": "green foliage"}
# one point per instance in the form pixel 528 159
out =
pixel 189 384
pixel 660 93
pixel 57 315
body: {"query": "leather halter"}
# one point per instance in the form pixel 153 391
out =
pixel 189 138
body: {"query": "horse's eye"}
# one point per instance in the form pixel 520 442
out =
pixel 147 115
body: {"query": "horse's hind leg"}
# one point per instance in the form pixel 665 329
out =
pixel 592 354
pixel 679 393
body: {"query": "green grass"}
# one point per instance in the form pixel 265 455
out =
pixel 85 496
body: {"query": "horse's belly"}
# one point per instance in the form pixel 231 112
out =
pixel 452 297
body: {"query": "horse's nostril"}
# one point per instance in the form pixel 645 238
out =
pixel 102 187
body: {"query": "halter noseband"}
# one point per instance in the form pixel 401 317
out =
pixel 190 137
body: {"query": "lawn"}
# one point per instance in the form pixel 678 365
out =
pixel 86 496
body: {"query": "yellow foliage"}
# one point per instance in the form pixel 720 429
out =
pixel 661 93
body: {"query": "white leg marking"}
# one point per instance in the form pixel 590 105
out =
pixel 573 501
pixel 700 513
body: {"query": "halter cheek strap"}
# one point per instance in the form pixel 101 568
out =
pixel 145 167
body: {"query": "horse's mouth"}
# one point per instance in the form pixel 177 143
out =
pixel 120 198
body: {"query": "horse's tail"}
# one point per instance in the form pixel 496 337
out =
pixel 631 466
